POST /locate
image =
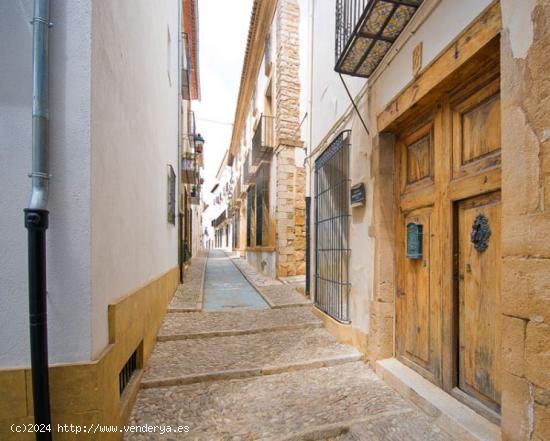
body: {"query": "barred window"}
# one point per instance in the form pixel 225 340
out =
pixel 250 218
pixel 262 205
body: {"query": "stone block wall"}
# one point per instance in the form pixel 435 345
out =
pixel 290 193
pixel 526 220
pixel 287 71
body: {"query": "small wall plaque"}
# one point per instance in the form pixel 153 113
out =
pixel 417 59
pixel 358 195
pixel 414 241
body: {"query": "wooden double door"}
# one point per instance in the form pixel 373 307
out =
pixel 448 300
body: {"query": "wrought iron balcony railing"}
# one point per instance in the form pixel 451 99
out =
pixel 248 171
pixel 263 140
pixel 365 31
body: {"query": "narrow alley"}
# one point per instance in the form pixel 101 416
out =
pixel 244 371
pixel 275 220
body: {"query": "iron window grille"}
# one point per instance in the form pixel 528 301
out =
pixel 249 216
pixel 262 205
pixel 366 30
pixel 332 216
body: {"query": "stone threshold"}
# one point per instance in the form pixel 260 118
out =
pixel 335 430
pixel 236 332
pixel 233 374
pixel 450 414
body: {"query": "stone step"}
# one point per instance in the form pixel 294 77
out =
pixel 291 405
pixel 189 325
pixel 217 358
pixel 235 332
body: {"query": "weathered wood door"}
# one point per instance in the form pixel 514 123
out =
pixel 448 292
pixel 478 240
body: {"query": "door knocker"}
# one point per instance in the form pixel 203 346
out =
pixel 480 233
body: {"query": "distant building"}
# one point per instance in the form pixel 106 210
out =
pixel 218 216
pixel 266 152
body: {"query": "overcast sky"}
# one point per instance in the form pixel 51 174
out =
pixel 223 28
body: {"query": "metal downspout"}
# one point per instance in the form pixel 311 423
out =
pixel 36 219
pixel 180 96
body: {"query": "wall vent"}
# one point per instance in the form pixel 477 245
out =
pixel 127 372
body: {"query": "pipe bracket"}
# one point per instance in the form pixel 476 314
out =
pixel 39 175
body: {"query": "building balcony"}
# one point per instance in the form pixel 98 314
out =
pixel 195 195
pixel 263 141
pixel 366 30
pixel 220 219
pixel 189 169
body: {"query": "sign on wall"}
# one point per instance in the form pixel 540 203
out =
pixel 171 196
pixel 358 195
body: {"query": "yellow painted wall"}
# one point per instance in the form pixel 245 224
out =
pixel 88 393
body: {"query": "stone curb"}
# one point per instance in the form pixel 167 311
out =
pixel 170 310
pixel 259 290
pixel 236 332
pixel 200 302
pixel 233 374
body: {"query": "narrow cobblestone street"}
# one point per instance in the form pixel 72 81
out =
pixel 270 373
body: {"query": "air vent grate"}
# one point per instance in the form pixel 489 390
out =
pixel 127 372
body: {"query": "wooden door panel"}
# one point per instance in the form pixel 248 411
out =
pixel 418 314
pixel 477 131
pixel 416 157
pixel 478 242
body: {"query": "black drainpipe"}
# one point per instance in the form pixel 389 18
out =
pixel 36 220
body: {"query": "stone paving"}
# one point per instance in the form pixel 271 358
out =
pixel 237 321
pixel 271 374
pixel 287 405
pixel 188 296
pixel 265 351
pixel 226 288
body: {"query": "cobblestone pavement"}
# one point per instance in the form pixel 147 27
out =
pixel 268 374
pixel 236 321
pixel 245 352
pixel 188 296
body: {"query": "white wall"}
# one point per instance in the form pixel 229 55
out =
pixel 329 98
pixel 68 238
pixel 134 138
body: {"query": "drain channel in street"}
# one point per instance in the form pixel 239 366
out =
pixel 226 288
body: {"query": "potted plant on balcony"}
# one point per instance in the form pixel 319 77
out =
pixel 193 191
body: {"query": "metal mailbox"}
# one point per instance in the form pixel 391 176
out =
pixel 414 241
